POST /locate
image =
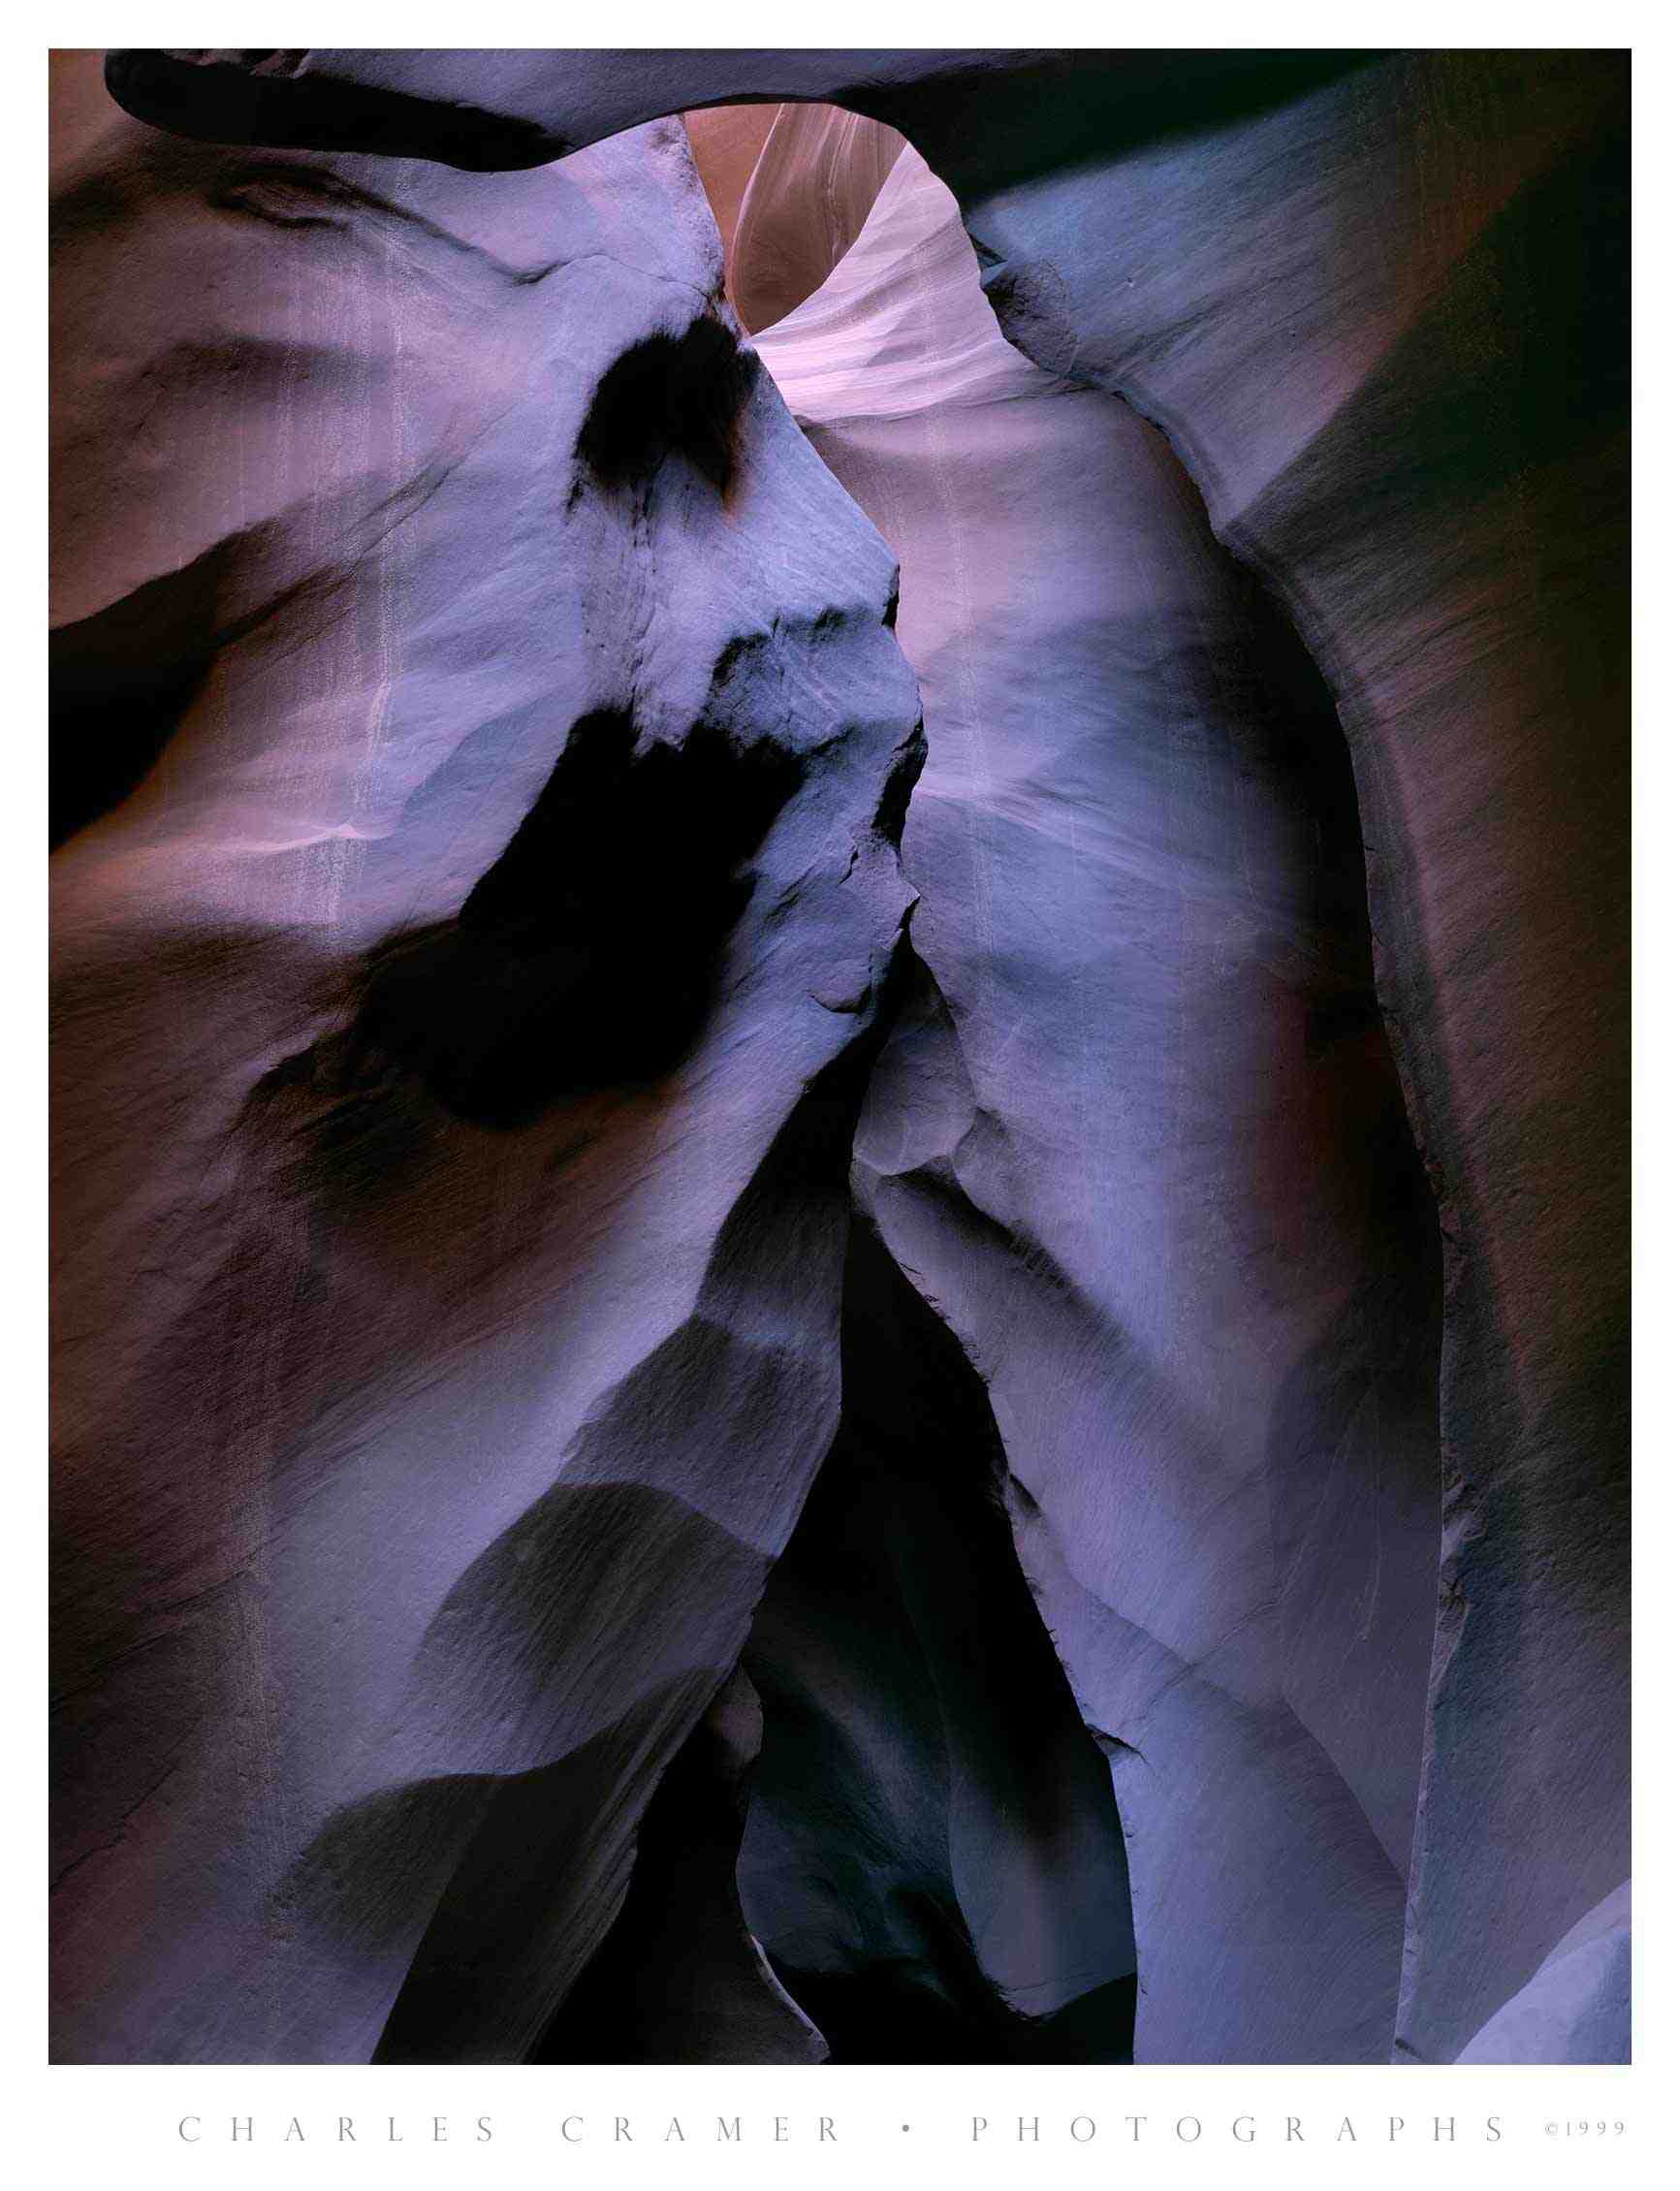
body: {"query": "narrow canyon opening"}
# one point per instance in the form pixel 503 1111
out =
pixel 932 1857
pixel 826 1280
pixel 1095 667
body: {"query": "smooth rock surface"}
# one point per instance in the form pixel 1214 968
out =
pixel 1377 304
pixel 1137 1134
pixel 465 968
pixel 818 175
pixel 1385 326
pixel 1577 2006
pixel 726 141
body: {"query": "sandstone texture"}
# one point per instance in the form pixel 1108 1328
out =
pixel 720 1396
pixel 461 1026
pixel 1138 1133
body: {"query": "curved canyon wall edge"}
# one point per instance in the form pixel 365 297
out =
pixel 840 1056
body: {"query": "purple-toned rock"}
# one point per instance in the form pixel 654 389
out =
pixel 1137 1134
pixel 681 1978
pixel 483 757
pixel 1577 2006
pixel 1385 326
pixel 474 916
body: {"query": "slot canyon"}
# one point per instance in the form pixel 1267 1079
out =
pixel 839 1056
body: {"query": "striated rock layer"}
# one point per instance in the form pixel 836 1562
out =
pixel 460 1286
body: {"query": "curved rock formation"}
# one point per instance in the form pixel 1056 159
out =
pixel 818 175
pixel 1140 1137
pixel 726 141
pixel 1577 2004
pixel 1416 427
pixel 451 1319
pixel 459 1027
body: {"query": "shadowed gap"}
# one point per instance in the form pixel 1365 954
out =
pixel 932 1859
pixel 680 394
pixel 586 957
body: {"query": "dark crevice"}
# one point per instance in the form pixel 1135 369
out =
pixel 118 684
pixel 933 1857
pixel 121 682
pixel 679 396
pixel 106 735
pixel 222 103
pixel 680 1978
pixel 585 958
